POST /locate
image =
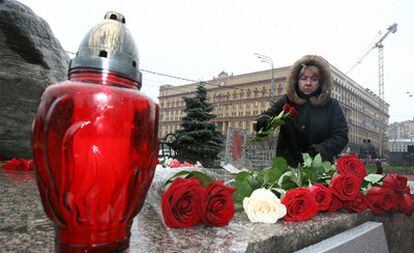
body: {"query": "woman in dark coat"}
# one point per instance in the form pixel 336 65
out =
pixel 320 126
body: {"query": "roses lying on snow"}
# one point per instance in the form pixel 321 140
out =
pixel 300 204
pixel 186 203
pixel 263 206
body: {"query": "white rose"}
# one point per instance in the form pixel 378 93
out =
pixel 263 206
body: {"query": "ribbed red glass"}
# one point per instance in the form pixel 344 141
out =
pixel 95 150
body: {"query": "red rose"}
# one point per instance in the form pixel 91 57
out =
pixel 181 202
pixel 405 204
pixel 174 163
pixel 345 186
pixel 186 164
pixel 217 207
pixel 407 190
pixel 300 205
pixel 358 204
pixel 335 204
pixel 286 107
pixel 322 195
pixel 381 199
pixel 293 112
pixel 396 182
pixel 351 164
pixel 19 164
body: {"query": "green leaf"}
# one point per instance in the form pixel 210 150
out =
pixel 299 177
pixel 288 174
pixel 272 175
pixel 280 191
pixel 317 161
pixel 237 197
pixel 203 177
pixel 373 178
pixel 243 188
pixel 307 160
pixel 280 163
pixel 327 166
pixel 241 175
pixel 371 168
pixel 178 174
pixel 238 201
pixel 253 182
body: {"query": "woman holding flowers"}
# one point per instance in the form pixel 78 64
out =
pixel 320 125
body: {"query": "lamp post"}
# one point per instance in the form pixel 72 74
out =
pixel 269 60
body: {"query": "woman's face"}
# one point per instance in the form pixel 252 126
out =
pixel 308 82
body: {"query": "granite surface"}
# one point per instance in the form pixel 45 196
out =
pixel 25 228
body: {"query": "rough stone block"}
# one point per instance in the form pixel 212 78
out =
pixel 30 58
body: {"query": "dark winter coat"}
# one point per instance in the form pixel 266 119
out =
pixel 320 126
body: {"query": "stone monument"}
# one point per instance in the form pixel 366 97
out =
pixel 30 58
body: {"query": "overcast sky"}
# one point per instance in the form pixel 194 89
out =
pixel 197 39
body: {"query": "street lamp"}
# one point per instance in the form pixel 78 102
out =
pixel 269 60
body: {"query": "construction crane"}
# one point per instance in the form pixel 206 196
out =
pixel 378 44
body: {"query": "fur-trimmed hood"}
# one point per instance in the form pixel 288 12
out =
pixel 325 77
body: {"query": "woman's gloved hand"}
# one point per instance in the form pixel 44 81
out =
pixel 261 122
pixel 312 151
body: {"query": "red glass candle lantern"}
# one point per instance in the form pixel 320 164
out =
pixel 95 143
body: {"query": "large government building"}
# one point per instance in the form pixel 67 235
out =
pixel 240 98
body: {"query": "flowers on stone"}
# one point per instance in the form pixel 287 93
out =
pixel 345 186
pixel 217 207
pixel 300 204
pixel 396 182
pixel 394 194
pixel 322 195
pixel 358 204
pixel 181 202
pixel 186 203
pixel 195 198
pixel 352 165
pixel 405 204
pixel 18 164
pixel 335 205
pixel 263 206
pixel 174 163
pixel 382 199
